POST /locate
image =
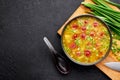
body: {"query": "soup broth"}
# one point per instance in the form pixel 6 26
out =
pixel 86 39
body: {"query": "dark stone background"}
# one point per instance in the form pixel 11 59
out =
pixel 23 54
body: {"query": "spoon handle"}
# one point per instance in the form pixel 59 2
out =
pixel 50 46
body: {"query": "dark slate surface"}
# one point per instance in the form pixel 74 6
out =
pixel 23 54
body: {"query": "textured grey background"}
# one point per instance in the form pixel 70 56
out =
pixel 23 54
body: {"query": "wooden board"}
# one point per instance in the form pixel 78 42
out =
pixel 114 75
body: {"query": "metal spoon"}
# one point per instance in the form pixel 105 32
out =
pixel 60 62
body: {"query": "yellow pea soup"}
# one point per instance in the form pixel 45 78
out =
pixel 86 39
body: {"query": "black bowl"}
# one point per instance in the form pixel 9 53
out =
pixel 88 64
